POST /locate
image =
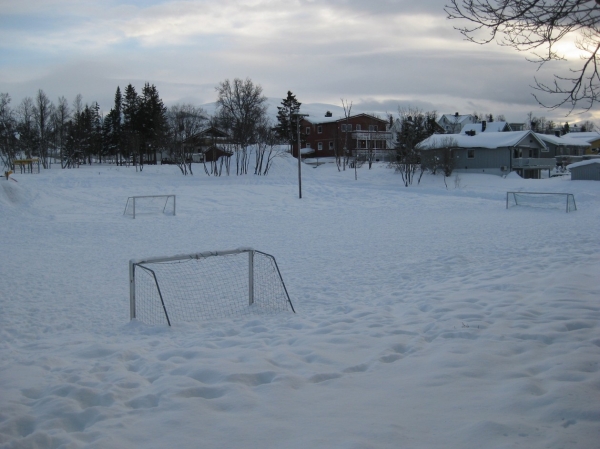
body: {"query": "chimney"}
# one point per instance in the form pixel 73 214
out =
pixel 483 125
pixel 557 133
pixel 328 114
pixel 456 114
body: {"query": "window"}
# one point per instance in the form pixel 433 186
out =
pixel 357 127
pixel 320 146
pixel 470 154
pixel 331 145
pixel 307 130
pixel 319 129
pixel 373 128
pixel 346 128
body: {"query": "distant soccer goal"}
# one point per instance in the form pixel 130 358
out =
pixel 204 286
pixel 150 204
pixel 564 201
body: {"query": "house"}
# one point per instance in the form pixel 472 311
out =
pixel 593 138
pixel 585 170
pixel 453 124
pixel 208 145
pixel 496 153
pixel 361 135
pixel 486 127
pixel 565 149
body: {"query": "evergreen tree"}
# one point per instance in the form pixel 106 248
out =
pixel 152 122
pixel 130 135
pixel 287 127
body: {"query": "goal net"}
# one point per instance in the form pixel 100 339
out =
pixel 564 201
pixel 204 286
pixel 150 204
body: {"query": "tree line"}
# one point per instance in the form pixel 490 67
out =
pixel 139 127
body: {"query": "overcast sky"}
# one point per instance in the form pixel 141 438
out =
pixel 379 54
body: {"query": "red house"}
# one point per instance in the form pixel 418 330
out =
pixel 358 135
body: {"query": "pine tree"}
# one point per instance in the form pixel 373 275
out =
pixel 286 127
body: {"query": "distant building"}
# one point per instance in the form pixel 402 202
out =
pixel 453 124
pixel 359 135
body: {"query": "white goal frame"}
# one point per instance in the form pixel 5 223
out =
pixel 569 198
pixel 166 197
pixel 139 263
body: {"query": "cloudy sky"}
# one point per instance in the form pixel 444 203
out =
pixel 379 54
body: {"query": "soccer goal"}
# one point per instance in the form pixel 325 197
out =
pixel 565 201
pixel 204 286
pixel 150 204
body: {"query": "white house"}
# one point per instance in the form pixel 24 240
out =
pixel 453 124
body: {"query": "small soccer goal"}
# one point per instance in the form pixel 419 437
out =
pixel 564 201
pixel 150 205
pixel 205 286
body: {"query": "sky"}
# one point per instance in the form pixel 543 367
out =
pixel 380 55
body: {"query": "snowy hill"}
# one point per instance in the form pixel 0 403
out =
pixel 427 317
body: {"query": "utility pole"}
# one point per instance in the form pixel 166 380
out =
pixel 298 116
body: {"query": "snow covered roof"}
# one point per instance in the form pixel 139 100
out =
pixel 563 140
pixel 490 127
pixel 491 140
pixel 582 163
pixel 588 137
pixel 454 118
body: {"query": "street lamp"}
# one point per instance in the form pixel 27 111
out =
pixel 298 116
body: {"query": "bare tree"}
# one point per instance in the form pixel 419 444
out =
pixel 26 127
pixel 538 26
pixel 184 122
pixel 8 132
pixel 43 111
pixel 241 108
pixel 347 150
pixel 267 147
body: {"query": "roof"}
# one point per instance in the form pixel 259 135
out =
pixel 563 140
pixel 491 140
pixel 454 117
pixel 589 137
pixel 315 120
pixel 582 163
pixel 490 127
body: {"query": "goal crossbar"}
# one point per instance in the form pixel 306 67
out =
pixel 161 200
pixel 541 199
pixel 210 284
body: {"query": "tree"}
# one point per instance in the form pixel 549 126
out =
pixel 60 120
pixel 26 127
pixel 267 147
pixel 588 126
pixel 152 123
pixel 184 122
pixel 539 26
pixel 42 111
pixel 8 132
pixel 131 118
pixel 286 125
pixel 415 126
pixel 240 109
pixel 347 106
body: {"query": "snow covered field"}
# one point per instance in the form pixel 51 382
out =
pixel 427 317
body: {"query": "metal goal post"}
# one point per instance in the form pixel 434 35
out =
pixel 548 200
pixel 206 285
pixel 150 202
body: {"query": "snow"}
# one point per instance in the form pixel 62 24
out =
pixel 427 317
pixel 582 163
